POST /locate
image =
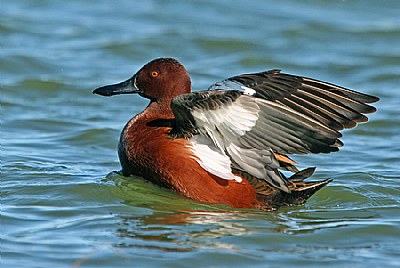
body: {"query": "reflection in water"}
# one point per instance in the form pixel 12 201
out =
pixel 174 223
pixel 188 231
pixel 182 231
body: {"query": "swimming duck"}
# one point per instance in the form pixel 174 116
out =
pixel 229 144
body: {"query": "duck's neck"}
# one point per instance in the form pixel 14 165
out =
pixel 158 109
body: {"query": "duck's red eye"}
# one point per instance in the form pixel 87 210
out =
pixel 154 74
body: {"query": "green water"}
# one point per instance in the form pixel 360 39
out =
pixel 61 205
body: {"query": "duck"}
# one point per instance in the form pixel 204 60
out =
pixel 231 143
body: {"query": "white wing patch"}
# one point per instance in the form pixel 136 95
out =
pixel 240 116
pixel 212 159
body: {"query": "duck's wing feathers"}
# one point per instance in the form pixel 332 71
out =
pixel 334 106
pixel 247 126
pixel 214 122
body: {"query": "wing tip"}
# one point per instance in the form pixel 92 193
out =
pixel 371 98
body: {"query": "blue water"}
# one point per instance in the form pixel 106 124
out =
pixel 61 205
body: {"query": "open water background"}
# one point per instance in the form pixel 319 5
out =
pixel 58 141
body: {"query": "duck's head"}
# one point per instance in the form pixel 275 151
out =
pixel 159 80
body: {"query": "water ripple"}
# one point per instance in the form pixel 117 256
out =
pixel 59 208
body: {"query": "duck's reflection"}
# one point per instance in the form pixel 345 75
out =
pixel 170 222
pixel 183 231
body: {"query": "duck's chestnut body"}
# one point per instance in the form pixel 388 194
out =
pixel 226 145
pixel 147 150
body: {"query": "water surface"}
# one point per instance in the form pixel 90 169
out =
pixel 59 208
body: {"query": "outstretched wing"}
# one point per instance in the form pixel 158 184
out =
pixel 264 114
pixel 334 106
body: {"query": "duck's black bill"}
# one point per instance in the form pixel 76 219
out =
pixel 126 87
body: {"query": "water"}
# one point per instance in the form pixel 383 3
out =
pixel 59 208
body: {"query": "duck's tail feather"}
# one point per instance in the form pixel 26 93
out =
pixel 302 175
pixel 299 194
pixel 300 190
